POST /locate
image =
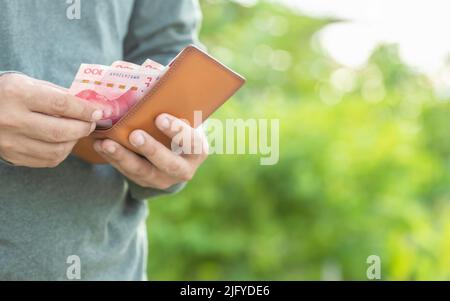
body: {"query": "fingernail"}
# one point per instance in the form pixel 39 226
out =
pixel 164 123
pixel 137 139
pixel 111 149
pixel 97 146
pixel 93 127
pixel 97 115
pixel 107 112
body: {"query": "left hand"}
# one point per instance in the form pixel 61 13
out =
pixel 159 167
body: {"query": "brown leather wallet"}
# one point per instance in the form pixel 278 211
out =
pixel 194 82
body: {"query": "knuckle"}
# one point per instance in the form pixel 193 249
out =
pixel 163 185
pixel 141 171
pixel 27 95
pixel 59 152
pixel 60 104
pixel 86 111
pixel 56 134
pixel 9 89
pixel 145 182
pixel 173 168
pixel 187 176
pixel 148 180
pixel 7 121
pixel 151 150
pixel 119 155
pixel 53 163
pixel 142 183
pixel 7 146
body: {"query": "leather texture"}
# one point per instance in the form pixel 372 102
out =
pixel 194 82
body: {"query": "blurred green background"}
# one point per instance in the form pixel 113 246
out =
pixel 364 165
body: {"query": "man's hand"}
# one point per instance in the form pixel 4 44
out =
pixel 158 167
pixel 40 123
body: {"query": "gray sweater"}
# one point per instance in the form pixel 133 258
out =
pixel 90 211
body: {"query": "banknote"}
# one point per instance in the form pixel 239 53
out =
pixel 125 65
pixel 116 89
pixel 84 86
pixel 150 64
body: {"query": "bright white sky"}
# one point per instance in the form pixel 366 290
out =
pixel 420 28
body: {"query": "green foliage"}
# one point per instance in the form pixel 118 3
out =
pixel 364 165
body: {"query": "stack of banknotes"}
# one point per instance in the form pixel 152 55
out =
pixel 116 88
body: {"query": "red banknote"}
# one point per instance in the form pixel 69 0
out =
pixel 116 88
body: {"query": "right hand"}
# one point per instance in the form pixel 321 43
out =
pixel 40 123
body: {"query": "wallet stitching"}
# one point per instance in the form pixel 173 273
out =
pixel 164 79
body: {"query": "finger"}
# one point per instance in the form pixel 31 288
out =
pixel 164 159
pixel 49 84
pixel 42 154
pixel 191 141
pixel 132 166
pixel 56 129
pixel 55 102
pixel 21 160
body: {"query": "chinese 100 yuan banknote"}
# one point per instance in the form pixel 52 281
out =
pixel 116 88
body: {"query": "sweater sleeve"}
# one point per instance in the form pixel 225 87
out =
pixel 141 193
pixel 159 30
